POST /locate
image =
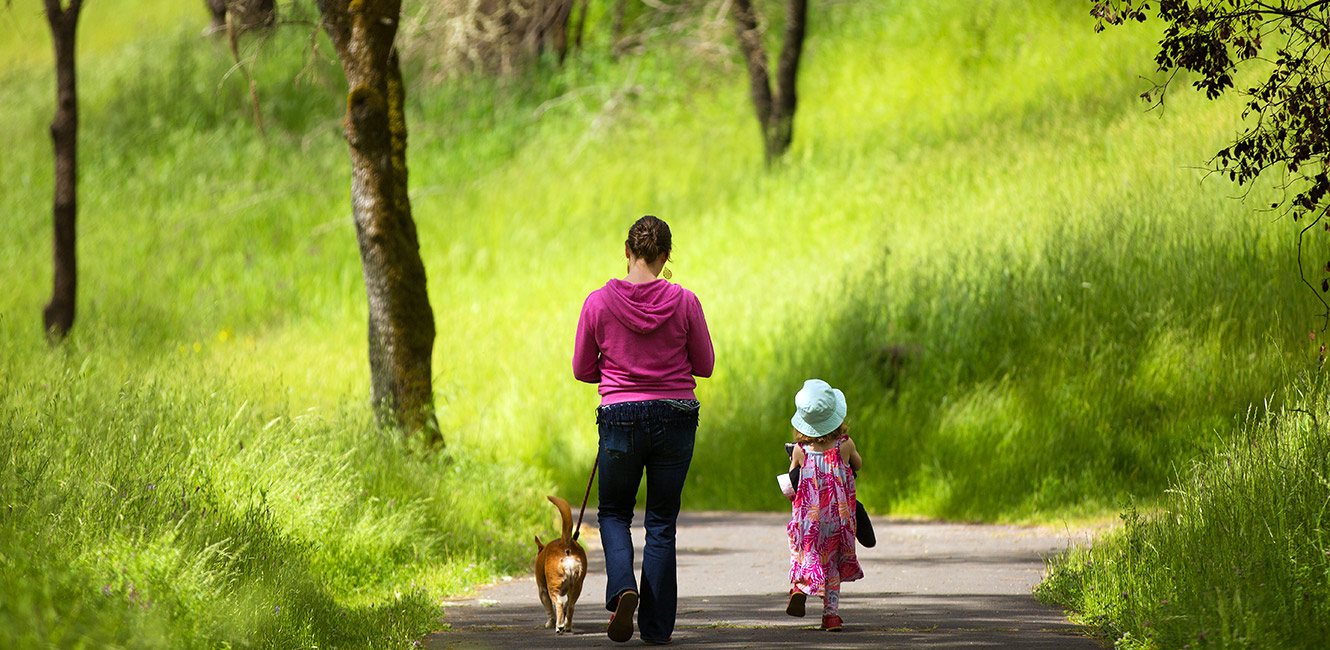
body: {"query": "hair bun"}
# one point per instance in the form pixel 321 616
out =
pixel 649 239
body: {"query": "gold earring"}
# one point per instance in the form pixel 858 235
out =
pixel 667 273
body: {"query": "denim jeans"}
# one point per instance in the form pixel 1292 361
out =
pixel 655 436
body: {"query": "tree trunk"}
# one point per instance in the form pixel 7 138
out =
pixel 245 14
pixel 620 8
pixel 755 54
pixel 553 26
pixel 581 25
pixel 218 10
pixel 401 322
pixel 58 315
pixel 775 110
pixel 787 74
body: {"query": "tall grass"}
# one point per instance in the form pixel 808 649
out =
pixel 1236 555
pixel 1035 307
pixel 155 509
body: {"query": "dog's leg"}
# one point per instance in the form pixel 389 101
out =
pixel 568 615
pixel 573 594
pixel 559 610
pixel 549 608
pixel 542 589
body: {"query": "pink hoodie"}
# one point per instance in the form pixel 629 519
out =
pixel 642 342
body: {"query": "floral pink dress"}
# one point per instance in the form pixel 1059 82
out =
pixel 821 528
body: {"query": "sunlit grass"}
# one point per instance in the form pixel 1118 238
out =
pixel 1236 554
pixel 105 28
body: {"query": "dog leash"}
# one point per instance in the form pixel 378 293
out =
pixel 578 531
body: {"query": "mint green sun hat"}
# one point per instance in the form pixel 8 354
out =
pixel 819 409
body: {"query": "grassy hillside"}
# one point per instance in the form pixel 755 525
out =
pixel 1034 304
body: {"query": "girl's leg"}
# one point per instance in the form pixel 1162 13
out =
pixel 831 594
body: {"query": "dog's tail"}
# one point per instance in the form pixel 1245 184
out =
pixel 567 514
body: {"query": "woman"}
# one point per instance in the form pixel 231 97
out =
pixel 643 339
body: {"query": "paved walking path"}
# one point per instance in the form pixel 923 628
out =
pixel 926 585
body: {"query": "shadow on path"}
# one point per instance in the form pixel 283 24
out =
pixel 926 585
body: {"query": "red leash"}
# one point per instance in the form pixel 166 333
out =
pixel 577 531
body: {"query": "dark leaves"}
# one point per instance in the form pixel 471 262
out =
pixel 1286 111
pixel 1289 124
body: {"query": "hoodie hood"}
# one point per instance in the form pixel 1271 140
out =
pixel 643 308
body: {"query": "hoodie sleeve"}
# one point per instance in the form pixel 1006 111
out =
pixel 586 352
pixel 700 353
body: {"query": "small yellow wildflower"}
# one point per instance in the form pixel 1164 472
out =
pixel 224 335
pixel 198 347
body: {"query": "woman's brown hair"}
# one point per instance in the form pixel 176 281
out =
pixel 649 239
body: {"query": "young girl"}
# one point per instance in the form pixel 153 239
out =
pixel 821 528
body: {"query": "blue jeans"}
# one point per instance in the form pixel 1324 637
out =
pixel 656 436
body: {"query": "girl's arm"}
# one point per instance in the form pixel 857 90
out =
pixel 848 450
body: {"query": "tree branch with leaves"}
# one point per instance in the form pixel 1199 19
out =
pixel 1287 111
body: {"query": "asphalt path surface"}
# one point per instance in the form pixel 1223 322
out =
pixel 926 585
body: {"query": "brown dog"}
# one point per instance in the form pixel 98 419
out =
pixel 560 569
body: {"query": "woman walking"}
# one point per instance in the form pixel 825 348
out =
pixel 643 340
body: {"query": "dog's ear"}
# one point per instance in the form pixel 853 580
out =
pixel 539 546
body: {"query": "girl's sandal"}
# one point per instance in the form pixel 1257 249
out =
pixel 796 606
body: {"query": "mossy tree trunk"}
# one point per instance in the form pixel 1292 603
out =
pixel 58 315
pixel 774 106
pixel 401 322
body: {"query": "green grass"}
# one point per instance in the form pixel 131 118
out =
pixel 1235 555
pixel 973 189
pixel 164 510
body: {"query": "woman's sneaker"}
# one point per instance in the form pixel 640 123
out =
pixel 621 621
pixel 831 622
